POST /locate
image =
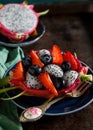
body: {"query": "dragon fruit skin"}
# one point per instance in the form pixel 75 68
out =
pixel 20 36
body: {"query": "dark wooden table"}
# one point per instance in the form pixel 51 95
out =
pixel 71 32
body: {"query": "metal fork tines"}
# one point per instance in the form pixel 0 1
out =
pixel 81 88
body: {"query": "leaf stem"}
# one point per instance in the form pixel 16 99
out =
pixel 3 90
pixel 43 13
pixel 11 98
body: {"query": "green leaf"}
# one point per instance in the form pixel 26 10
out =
pixel 4 81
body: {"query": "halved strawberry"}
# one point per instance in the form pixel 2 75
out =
pixel 18 72
pixel 47 83
pixel 57 57
pixel 67 56
pixel 35 59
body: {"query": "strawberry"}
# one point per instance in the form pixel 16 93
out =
pixel 18 72
pixel 47 83
pixel 56 53
pixel 84 70
pixel 80 66
pixel 35 59
pixel 67 56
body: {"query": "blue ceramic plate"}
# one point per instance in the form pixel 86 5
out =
pixel 63 107
pixel 40 30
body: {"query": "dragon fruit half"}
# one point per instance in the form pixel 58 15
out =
pixel 38 76
pixel 18 21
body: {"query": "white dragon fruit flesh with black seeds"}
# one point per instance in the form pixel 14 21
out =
pixel 18 21
pixel 70 77
pixel 54 70
pixel 43 52
pixel 33 81
pixel 17 18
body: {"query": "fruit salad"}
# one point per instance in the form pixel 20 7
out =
pixel 48 73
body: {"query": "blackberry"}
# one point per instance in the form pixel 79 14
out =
pixel 27 62
pixel 59 83
pixel 46 59
pixel 66 66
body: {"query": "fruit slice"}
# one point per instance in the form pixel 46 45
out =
pixel 35 59
pixel 18 72
pixel 79 64
pixel 57 57
pixel 54 70
pixel 47 83
pixel 70 58
pixel 84 70
pixel 70 77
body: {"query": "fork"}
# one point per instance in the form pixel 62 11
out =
pixel 36 112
